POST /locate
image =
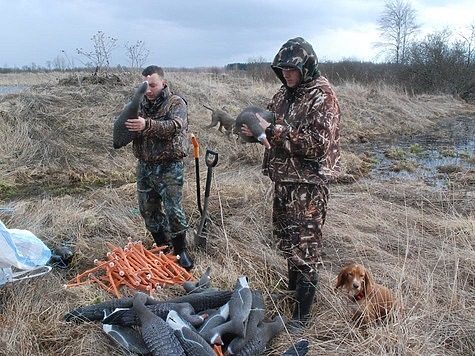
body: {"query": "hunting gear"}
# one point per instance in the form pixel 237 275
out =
pixel 303 158
pixel 160 147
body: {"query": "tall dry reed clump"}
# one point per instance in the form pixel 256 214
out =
pixel 67 184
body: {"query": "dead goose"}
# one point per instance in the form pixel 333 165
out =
pixel 157 335
pixel 121 135
pixel 192 342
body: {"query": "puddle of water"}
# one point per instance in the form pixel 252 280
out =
pixel 428 157
pixel 9 89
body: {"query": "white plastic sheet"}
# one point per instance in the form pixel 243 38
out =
pixel 21 250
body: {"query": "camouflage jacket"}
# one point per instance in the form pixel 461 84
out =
pixel 306 149
pixel 165 137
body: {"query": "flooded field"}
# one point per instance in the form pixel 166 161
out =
pixel 431 157
pixel 9 89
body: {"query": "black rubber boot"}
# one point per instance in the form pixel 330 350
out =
pixel 304 295
pixel 161 239
pixel 293 274
pixel 179 248
pixel 292 283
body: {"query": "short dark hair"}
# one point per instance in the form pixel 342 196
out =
pixel 153 69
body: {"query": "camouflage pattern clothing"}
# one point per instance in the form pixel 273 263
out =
pixel 166 128
pixel 304 154
pixel 160 150
pixel 298 215
pixel 160 195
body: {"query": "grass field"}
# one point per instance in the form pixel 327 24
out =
pixel 66 183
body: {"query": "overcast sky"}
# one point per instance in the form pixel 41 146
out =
pixel 205 33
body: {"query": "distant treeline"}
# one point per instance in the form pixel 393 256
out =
pixel 427 76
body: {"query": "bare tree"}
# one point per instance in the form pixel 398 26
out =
pixel 100 57
pixel 397 25
pixel 469 42
pixel 137 54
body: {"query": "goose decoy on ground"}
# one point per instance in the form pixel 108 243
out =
pixel 127 337
pixel 200 285
pixel 192 342
pixel 300 348
pixel 128 316
pixel 215 317
pixel 97 311
pixel 239 308
pixel 121 135
pixel 157 335
pixel 265 332
pixel 209 299
pixel 256 315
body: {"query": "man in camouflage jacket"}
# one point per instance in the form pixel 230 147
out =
pixel 160 146
pixel 304 156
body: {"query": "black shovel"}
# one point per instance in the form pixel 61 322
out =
pixel 211 159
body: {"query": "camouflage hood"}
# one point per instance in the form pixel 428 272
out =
pixel 297 53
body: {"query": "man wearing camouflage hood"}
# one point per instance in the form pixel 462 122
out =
pixel 304 156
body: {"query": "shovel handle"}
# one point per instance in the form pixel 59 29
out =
pixel 196 147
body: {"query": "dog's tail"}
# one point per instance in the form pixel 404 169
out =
pixel 207 107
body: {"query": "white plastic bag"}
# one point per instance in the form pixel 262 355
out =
pixel 22 250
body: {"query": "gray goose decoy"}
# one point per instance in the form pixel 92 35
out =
pixel 192 342
pixel 214 318
pixel 96 312
pixel 156 333
pixel 265 332
pixel 248 117
pixel 239 308
pixel 300 348
pixel 200 285
pixel 256 315
pixel 121 135
pixel 209 299
pixel 128 316
pixel 126 337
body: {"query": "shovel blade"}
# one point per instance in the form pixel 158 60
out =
pixel 200 240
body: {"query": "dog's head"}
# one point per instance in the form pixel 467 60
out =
pixel 354 279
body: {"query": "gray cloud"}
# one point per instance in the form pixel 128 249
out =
pixel 189 33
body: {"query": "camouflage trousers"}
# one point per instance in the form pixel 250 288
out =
pixel 298 216
pixel 160 196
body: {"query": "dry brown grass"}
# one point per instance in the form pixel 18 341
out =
pixel 60 173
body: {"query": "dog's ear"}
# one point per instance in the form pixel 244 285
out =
pixel 340 280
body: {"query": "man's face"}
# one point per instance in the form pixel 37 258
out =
pixel 155 86
pixel 291 76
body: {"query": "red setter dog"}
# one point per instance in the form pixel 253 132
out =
pixel 373 300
